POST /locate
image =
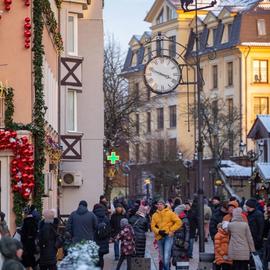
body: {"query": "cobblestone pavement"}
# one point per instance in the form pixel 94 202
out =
pixel 152 253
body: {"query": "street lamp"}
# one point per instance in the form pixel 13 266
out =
pixel 252 156
pixel 147 183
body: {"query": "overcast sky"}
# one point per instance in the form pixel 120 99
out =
pixel 124 18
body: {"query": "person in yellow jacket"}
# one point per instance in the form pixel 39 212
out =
pixel 164 223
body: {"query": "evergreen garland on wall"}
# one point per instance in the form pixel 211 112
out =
pixel 39 106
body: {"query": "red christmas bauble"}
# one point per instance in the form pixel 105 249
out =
pixel 17 178
pixel 24 138
pixel 26 45
pixel 27 19
pixel 31 185
pixel 8 2
pixel 14 134
pixel 27 33
pixel 27 3
pixel 13 170
pixel 14 162
pixel 15 188
pixel 27 26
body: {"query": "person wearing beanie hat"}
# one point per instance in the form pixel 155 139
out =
pixel 127 238
pixel 164 224
pixel 49 241
pixel 231 206
pixel 140 226
pixel 103 201
pixel 180 248
pixel 116 218
pixel 215 203
pixel 256 223
pixel 82 223
pixel 241 242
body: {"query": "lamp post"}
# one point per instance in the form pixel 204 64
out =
pixel 252 156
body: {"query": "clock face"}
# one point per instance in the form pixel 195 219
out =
pixel 162 74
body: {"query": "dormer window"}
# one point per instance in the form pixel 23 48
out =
pixel 134 58
pixel 211 37
pixel 261 27
pixel 171 14
pixel 226 33
pixel 160 18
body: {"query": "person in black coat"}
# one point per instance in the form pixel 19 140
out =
pixel 103 239
pixel 256 224
pixel 29 233
pixel 140 227
pixel 192 216
pixel 11 251
pixel 116 228
pixel 49 242
pixel 82 224
pixel 217 218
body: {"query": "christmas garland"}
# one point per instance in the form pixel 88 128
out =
pixel 52 23
pixel 39 105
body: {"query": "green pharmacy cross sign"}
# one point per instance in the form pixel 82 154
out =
pixel 113 158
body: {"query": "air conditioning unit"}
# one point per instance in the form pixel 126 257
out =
pixel 71 179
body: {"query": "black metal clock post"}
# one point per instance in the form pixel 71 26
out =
pixel 184 4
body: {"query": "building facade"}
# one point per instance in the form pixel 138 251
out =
pixel 234 58
pixel 19 76
pixel 82 128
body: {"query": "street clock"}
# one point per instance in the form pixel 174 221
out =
pixel 162 74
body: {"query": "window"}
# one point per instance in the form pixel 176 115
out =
pixel 230 108
pixel 160 118
pixel 173 116
pixel 215 111
pixel 134 58
pixel 149 122
pixel 72 34
pixel 230 73
pixel 171 14
pixel 137 124
pixel 137 153
pixel 261 27
pixel 211 37
pixel 261 106
pixel 2 111
pixel 137 92
pixel 172 149
pixel 160 18
pixel 160 149
pixel 215 76
pixel 149 150
pixel 260 71
pixel 72 110
pixel 229 31
pixel 172 46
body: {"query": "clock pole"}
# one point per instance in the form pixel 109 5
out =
pixel 184 4
pixel 200 140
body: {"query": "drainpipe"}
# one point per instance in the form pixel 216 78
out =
pixel 246 56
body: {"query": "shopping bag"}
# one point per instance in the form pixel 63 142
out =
pixel 257 261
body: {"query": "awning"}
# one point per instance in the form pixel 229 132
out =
pixel 264 171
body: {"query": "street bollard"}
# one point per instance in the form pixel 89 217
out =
pixel 206 261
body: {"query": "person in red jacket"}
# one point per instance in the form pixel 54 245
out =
pixel 222 239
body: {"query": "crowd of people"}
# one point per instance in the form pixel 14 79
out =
pixel 237 229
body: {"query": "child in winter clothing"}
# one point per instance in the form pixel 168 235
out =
pixel 181 237
pixel 222 239
pixel 127 238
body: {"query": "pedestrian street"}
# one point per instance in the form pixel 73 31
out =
pixel 151 252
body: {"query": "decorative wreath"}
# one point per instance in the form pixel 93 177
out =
pixel 21 167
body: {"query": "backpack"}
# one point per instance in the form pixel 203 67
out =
pixel 103 231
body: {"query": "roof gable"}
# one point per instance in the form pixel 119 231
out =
pixel 135 40
pixel 210 18
pixel 260 128
pixel 225 13
pixel 154 10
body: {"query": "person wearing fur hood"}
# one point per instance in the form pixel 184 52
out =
pixel 221 241
pixel 181 237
